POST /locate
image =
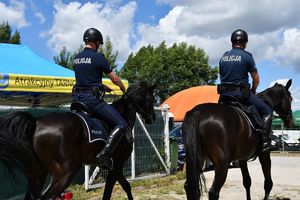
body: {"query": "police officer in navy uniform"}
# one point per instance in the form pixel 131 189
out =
pixel 89 66
pixel 234 69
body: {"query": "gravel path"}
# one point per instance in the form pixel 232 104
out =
pixel 285 175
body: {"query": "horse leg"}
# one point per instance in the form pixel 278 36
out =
pixel 60 181
pixel 246 177
pixel 109 185
pixel 265 161
pixel 125 185
pixel 221 170
pixel 112 177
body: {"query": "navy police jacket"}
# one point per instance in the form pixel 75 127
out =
pixel 235 66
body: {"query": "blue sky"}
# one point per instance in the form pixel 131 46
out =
pixel 273 27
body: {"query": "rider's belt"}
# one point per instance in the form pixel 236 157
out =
pixel 228 88
pixel 96 91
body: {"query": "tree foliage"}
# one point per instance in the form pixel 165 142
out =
pixel 107 50
pixel 66 58
pixel 172 68
pixel 6 34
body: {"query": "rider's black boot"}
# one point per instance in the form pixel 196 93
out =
pixel 104 156
pixel 266 132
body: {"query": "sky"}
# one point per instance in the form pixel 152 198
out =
pixel 273 28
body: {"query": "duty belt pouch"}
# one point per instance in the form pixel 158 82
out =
pixel 219 89
pixel 246 90
pixel 99 93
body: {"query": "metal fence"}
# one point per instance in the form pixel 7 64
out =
pixel 150 156
pixel 285 139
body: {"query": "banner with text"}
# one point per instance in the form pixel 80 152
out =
pixel 30 83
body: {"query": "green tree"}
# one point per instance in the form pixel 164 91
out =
pixel 66 58
pixel 107 50
pixel 6 35
pixel 173 69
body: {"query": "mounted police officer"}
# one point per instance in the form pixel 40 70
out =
pixel 89 66
pixel 234 68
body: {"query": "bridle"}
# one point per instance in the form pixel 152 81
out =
pixel 127 96
pixel 285 117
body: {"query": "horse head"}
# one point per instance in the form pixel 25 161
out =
pixel 280 99
pixel 142 97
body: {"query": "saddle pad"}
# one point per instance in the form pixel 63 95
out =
pixel 96 130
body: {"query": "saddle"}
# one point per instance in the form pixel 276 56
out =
pixel 250 111
pixel 96 129
pixel 81 107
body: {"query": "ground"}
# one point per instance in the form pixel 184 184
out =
pixel 285 174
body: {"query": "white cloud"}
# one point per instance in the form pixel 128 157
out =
pixel 279 81
pixel 287 53
pixel 209 23
pixel 14 13
pixel 72 19
pixel 40 17
pixel 296 99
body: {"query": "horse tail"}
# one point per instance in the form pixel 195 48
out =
pixel 21 124
pixel 192 150
pixel 16 135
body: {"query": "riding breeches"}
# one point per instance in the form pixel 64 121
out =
pixel 103 110
pixel 259 104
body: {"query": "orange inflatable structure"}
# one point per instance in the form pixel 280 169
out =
pixel 187 99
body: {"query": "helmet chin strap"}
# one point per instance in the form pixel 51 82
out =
pixel 97 45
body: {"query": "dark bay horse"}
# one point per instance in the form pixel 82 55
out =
pixel 223 134
pixel 57 144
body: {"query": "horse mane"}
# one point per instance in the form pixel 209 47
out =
pixel 130 90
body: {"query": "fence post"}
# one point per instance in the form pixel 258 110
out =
pixel 133 158
pixel 282 137
pixel 165 110
pixel 86 176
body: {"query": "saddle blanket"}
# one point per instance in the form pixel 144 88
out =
pixel 95 128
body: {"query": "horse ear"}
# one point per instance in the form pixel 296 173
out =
pixel 288 84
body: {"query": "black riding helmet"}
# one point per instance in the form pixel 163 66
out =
pixel 239 35
pixel 92 35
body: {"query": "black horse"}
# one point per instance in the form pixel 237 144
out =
pixel 223 134
pixel 57 144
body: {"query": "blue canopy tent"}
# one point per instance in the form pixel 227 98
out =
pixel 27 79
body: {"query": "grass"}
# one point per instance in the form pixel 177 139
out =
pixel 159 187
